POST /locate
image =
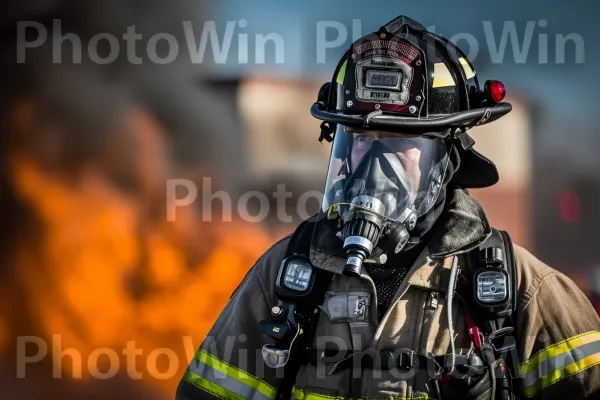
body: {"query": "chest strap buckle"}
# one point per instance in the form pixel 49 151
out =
pixel 502 340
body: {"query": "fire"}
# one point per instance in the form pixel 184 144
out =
pixel 100 265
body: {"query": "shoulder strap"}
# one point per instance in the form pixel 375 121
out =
pixel 498 333
pixel 511 267
pixel 300 240
pixel 502 240
pixel 307 311
pixel 499 239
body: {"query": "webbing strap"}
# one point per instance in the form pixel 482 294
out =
pixel 307 311
pixel 383 360
pixel 498 325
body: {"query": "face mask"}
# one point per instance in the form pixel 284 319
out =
pixel 380 177
pixel 381 184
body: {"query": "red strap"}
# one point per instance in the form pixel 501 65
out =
pixel 473 330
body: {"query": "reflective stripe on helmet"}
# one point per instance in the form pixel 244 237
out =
pixel 225 381
pixel 469 73
pixel 560 361
pixel 442 76
pixel 342 73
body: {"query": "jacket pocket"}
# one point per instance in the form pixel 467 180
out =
pixel 347 307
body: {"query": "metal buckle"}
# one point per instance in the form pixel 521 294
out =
pixel 500 333
pixel 275 357
pixel 405 360
pixel 475 360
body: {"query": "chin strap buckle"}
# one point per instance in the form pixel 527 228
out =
pixel 465 140
pixel 326 132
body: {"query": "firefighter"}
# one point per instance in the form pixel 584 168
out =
pixel 400 288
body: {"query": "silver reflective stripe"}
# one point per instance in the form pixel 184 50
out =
pixel 560 361
pixel 226 382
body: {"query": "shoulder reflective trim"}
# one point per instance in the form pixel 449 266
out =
pixel 560 361
pixel 207 370
pixel 342 73
pixel 299 394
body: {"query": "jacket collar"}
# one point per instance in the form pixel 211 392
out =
pixel 462 227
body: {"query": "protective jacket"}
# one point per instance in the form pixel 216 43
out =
pixel 557 331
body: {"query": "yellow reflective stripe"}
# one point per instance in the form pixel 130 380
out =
pixel 236 373
pixel 299 394
pixel 209 386
pixel 342 73
pixel 562 373
pixel 469 73
pixel 442 76
pixel 557 349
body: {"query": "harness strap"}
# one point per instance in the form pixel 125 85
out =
pixel 385 360
pixel 307 311
pixel 491 330
pixel 474 332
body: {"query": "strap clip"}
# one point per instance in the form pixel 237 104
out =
pixel 326 132
pixel 405 360
pixel 508 344
pixel 474 331
pixel 466 141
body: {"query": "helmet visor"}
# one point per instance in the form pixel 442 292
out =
pixel 385 173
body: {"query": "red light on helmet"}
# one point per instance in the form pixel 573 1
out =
pixel 495 90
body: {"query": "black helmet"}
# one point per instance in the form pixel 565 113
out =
pixel 408 80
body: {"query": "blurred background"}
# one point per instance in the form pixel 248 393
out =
pixel 103 294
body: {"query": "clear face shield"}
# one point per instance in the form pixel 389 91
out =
pixel 380 183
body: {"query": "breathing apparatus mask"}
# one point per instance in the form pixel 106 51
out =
pixel 378 185
pixel 399 99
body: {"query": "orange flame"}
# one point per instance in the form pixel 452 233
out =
pixel 101 266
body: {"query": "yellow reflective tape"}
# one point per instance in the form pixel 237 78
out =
pixel 559 374
pixel 236 373
pixel 469 73
pixel 442 76
pixel 342 73
pixel 299 394
pixel 209 386
pixel 557 349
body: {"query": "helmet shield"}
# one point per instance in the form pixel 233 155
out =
pixel 391 175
